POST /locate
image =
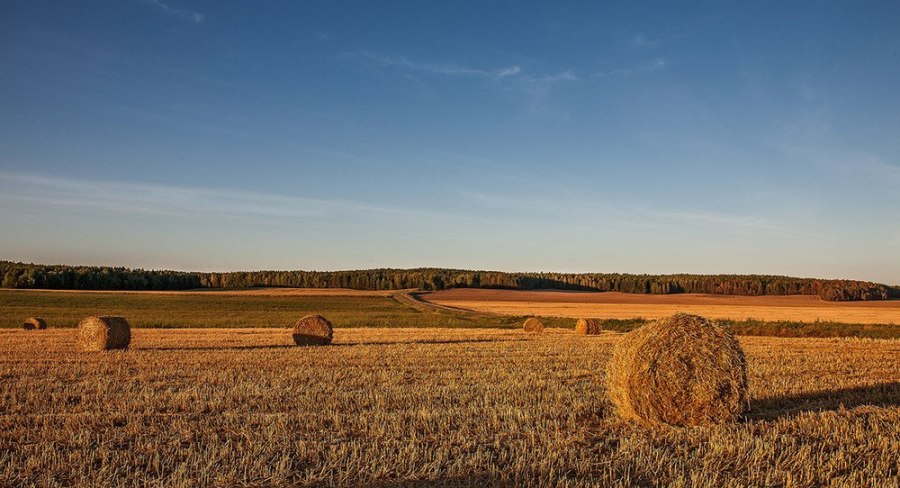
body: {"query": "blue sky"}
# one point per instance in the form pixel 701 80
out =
pixel 711 137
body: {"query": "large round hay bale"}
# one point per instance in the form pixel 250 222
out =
pixel 681 371
pixel 104 333
pixel 32 323
pixel 533 326
pixel 587 327
pixel 313 330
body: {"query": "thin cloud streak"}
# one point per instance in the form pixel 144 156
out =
pixel 656 64
pixel 640 41
pixel 187 202
pixel 567 75
pixel 174 201
pixel 538 89
pixel 178 13
pixel 624 215
pixel 435 68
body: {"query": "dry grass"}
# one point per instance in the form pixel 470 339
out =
pixel 615 305
pixel 682 370
pixel 193 407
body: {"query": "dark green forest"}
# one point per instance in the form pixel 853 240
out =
pixel 26 275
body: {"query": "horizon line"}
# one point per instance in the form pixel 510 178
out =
pixel 473 270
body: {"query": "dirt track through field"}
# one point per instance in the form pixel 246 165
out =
pixel 614 305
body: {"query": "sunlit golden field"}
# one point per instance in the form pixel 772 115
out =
pixel 613 305
pixel 238 407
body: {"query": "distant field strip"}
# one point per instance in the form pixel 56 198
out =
pixel 280 308
pixel 273 307
pixel 625 306
pixel 251 308
pixel 228 292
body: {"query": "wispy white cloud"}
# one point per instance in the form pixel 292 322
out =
pixel 577 211
pixel 567 75
pixel 534 88
pixel 178 13
pixel 655 64
pixel 172 200
pixel 812 143
pixel 538 89
pixel 512 70
pixel 721 222
pixel 188 202
pixel 640 41
pixel 435 68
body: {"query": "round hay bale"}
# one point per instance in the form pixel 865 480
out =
pixel 104 333
pixel 313 330
pixel 534 326
pixel 680 371
pixel 587 327
pixel 32 323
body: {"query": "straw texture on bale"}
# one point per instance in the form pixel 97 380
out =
pixel 32 323
pixel 534 326
pixel 313 330
pixel 587 327
pixel 104 333
pixel 680 371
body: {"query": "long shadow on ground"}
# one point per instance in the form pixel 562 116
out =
pixel 426 341
pixel 879 395
pixel 214 348
pixel 339 344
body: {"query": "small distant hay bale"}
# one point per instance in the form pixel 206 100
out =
pixel 587 327
pixel 680 371
pixel 534 326
pixel 102 333
pixel 34 323
pixel 313 330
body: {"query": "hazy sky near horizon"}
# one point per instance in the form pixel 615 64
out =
pixel 707 137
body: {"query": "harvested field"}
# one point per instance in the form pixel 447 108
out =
pixel 614 305
pixel 405 406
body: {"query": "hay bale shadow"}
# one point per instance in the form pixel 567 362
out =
pixel 879 395
pixel 425 341
pixel 216 348
pixel 333 344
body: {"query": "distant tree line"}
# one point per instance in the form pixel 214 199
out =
pixel 21 275
pixel 61 277
pixel 438 279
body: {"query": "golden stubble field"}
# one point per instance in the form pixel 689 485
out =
pixel 614 305
pixel 387 407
